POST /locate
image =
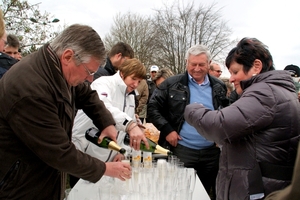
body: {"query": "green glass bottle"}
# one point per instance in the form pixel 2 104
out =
pixel 93 134
pixel 153 147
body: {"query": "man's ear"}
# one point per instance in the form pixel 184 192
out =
pixel 67 56
pixel 115 58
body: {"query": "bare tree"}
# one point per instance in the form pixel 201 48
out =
pixel 164 38
pixel 181 26
pixel 26 21
pixel 137 31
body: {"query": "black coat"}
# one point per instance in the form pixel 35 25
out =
pixel 6 62
pixel 107 70
pixel 166 106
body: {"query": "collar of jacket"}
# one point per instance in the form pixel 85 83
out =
pixel 109 67
pixel 7 61
pixel 55 69
pixel 276 77
pixel 219 90
pixel 212 80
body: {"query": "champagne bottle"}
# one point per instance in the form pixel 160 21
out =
pixel 93 134
pixel 154 148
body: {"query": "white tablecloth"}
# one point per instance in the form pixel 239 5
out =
pixel 87 191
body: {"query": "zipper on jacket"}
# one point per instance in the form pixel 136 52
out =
pixel 10 171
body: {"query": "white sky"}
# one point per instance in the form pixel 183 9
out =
pixel 275 23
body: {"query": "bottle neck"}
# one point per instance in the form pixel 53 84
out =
pixel 162 150
pixel 114 146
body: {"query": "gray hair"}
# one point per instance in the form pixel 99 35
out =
pixel 197 50
pixel 83 40
pixel 164 72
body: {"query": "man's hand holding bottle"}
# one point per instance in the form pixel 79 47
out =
pixel 110 132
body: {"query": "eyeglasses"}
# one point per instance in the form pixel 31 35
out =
pixel 85 67
pixel 219 71
pixel 88 71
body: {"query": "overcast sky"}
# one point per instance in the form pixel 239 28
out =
pixel 275 23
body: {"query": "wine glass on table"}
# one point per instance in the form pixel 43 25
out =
pixel 192 178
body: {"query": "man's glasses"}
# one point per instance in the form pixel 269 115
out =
pixel 88 71
pixel 219 71
pixel 85 67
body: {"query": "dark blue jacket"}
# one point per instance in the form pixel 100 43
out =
pixel 107 70
pixel 6 62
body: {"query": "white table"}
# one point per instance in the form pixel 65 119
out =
pixel 87 191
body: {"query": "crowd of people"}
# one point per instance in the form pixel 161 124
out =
pixel 240 134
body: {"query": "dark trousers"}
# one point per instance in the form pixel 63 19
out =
pixel 204 161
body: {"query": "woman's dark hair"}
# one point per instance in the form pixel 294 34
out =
pixel 246 51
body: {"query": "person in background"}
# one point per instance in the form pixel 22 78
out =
pixel 295 73
pixel 118 94
pixel 293 69
pixel 229 86
pixel 159 77
pixel 215 69
pixel 259 133
pixel 12 46
pixel 162 75
pixel 6 61
pixel 151 85
pixel 166 108
pixel 116 56
pixel 153 70
pixel 141 99
pixel 37 113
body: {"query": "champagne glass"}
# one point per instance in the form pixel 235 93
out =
pixel 192 176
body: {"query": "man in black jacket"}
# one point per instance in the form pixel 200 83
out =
pixel 6 62
pixel 117 55
pixel 166 107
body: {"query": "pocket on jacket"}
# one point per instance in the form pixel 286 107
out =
pixel 12 177
pixel 177 100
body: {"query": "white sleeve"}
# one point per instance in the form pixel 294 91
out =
pixel 81 124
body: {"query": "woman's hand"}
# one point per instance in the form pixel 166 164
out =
pixel 136 136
